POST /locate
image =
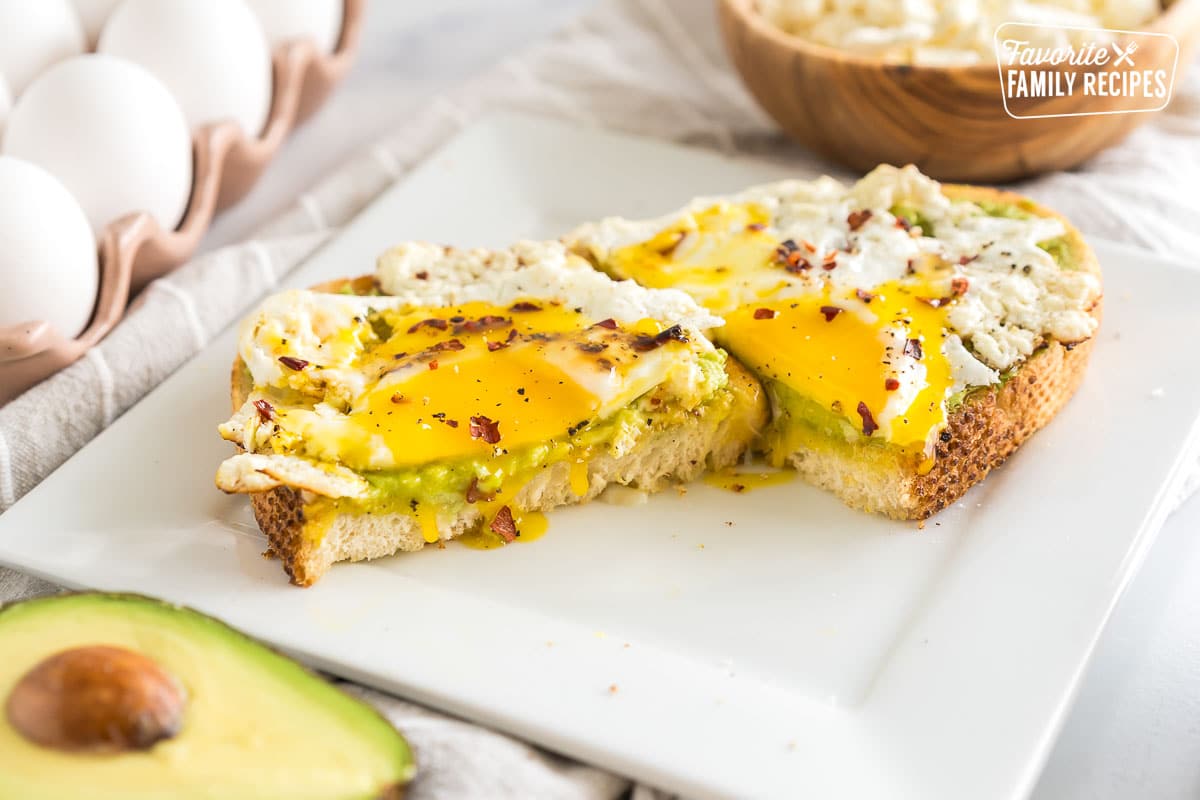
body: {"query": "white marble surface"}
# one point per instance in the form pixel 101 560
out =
pixel 1134 731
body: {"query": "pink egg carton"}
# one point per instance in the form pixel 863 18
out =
pixel 134 250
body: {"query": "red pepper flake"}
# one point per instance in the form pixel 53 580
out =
pixel 869 425
pixel 524 305
pixel 858 218
pixel 610 324
pixel 449 344
pixel 398 398
pixel 494 346
pixel 266 412
pixel 865 296
pixel 433 364
pixel 489 322
pixel 437 324
pixel 903 223
pixel 474 494
pixel 756 226
pixel 504 525
pixel 789 255
pixel 935 302
pixel 830 262
pixel 912 349
pixel 809 246
pixel 891 384
pixel 296 364
pixel 765 313
pixel 644 344
pixel 592 347
pixel 423 275
pixel 959 285
pixel 964 260
pixel 829 312
pixel 485 429
pixel 738 487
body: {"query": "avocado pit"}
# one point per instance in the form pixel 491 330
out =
pixel 97 699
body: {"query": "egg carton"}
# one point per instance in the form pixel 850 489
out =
pixel 135 250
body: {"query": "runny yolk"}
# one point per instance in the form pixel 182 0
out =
pixel 835 351
pixel 724 255
pixel 705 252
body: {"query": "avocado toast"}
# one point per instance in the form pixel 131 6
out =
pixel 461 393
pixel 910 336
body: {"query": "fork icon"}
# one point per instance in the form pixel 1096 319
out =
pixel 1124 55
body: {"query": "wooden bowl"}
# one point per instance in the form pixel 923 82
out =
pixel 134 250
pixel 949 121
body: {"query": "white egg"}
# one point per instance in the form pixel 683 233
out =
pixel 5 104
pixel 93 14
pixel 287 20
pixel 211 54
pixel 48 263
pixel 112 133
pixel 34 36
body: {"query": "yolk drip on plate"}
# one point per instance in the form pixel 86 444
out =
pixel 874 356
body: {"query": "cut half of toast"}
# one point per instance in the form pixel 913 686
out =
pixel 462 393
pixel 910 336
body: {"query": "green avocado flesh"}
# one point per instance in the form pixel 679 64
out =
pixel 255 723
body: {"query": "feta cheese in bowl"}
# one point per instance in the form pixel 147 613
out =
pixel 866 82
pixel 946 32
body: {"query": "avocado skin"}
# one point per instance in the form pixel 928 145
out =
pixel 375 761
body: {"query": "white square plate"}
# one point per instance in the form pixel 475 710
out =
pixel 767 644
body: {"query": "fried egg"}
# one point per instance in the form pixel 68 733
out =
pixel 879 301
pixel 469 355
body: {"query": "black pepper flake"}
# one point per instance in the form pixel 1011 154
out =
pixel 756 226
pixel 868 422
pixel 524 305
pixel 945 436
pixel 592 347
pixel 865 296
pixel 423 275
pixel 912 349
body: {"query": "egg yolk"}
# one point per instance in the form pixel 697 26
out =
pixel 477 380
pixel 839 348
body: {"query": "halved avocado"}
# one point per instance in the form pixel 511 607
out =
pixel 125 697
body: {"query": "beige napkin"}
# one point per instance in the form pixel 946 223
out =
pixel 653 67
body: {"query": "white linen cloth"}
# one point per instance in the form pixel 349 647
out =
pixel 653 67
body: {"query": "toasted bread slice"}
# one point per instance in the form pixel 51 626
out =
pixel 985 425
pixel 295 501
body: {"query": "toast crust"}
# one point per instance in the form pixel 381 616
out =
pixel 675 454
